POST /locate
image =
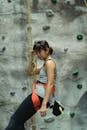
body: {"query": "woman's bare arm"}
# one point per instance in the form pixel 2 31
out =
pixel 50 67
pixel 32 68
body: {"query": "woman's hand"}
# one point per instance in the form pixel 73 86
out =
pixel 32 52
pixel 33 87
pixel 43 110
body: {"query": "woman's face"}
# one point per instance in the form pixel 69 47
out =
pixel 42 54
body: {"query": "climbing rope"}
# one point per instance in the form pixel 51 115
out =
pixel 32 60
pixel 29 20
pixel 30 48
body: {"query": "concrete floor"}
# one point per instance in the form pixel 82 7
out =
pixel 60 30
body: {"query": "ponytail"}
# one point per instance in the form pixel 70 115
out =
pixel 50 50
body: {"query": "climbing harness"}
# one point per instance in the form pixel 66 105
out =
pixel 30 46
pixel 57 108
pixel 35 97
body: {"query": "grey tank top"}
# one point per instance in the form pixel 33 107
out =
pixel 40 90
pixel 43 75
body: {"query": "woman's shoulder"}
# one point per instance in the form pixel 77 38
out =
pixel 50 63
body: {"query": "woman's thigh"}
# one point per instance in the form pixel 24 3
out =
pixel 25 111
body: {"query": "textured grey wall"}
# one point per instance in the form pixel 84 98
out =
pixel 60 29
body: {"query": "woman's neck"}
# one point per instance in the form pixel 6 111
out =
pixel 48 57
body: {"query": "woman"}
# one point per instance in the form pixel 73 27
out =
pixel 43 89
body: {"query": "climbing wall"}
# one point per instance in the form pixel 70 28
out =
pixel 63 24
pixel 13 57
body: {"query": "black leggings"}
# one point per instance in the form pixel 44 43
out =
pixel 23 113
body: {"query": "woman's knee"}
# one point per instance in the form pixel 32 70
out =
pixel 12 125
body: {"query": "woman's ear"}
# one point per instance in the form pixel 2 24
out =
pixel 47 50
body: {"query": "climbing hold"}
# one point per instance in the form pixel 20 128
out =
pixel 75 72
pixel 24 88
pixel 49 13
pixel 49 119
pixel 79 37
pixel 54 1
pixel 68 2
pixel 9 1
pixel 46 28
pixel 79 86
pixel 3 37
pixel 3 49
pixel 65 50
pixel 12 93
pixel 72 115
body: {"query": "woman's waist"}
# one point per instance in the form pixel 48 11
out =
pixel 44 85
pixel 40 82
